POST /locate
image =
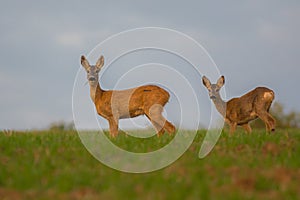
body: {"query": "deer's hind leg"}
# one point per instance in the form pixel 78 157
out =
pixel 155 115
pixel 272 122
pixel 268 120
pixel 169 127
pixel 265 116
pixel 159 129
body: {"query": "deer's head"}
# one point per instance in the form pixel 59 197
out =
pixel 213 89
pixel 92 70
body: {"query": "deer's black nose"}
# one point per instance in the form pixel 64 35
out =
pixel 92 79
pixel 213 97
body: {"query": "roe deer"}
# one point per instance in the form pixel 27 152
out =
pixel 242 110
pixel 113 105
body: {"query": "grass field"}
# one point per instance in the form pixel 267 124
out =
pixel 55 165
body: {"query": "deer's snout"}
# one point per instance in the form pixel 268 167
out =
pixel 92 79
pixel 213 97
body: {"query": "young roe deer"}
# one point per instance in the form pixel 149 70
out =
pixel 113 105
pixel 240 111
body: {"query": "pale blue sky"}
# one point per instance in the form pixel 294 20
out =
pixel 252 42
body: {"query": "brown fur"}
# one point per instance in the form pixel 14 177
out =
pixel 113 105
pixel 242 110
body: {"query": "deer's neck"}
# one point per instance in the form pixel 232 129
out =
pixel 95 92
pixel 220 105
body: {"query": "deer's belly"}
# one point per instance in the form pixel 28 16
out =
pixel 136 113
pixel 131 113
pixel 247 117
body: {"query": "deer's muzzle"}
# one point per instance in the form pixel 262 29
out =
pixel 92 79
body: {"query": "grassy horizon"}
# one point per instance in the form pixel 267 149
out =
pixel 55 164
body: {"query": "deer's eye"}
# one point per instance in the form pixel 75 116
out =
pixel 88 71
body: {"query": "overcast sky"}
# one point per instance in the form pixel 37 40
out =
pixel 252 43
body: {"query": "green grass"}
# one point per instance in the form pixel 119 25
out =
pixel 48 165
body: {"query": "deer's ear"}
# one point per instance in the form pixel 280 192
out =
pixel 221 81
pixel 100 62
pixel 84 62
pixel 206 82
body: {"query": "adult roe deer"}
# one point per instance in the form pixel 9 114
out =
pixel 240 111
pixel 113 105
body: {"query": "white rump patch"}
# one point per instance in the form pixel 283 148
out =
pixel 268 95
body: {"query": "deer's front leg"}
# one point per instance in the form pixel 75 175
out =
pixel 113 127
pixel 247 128
pixel 232 128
